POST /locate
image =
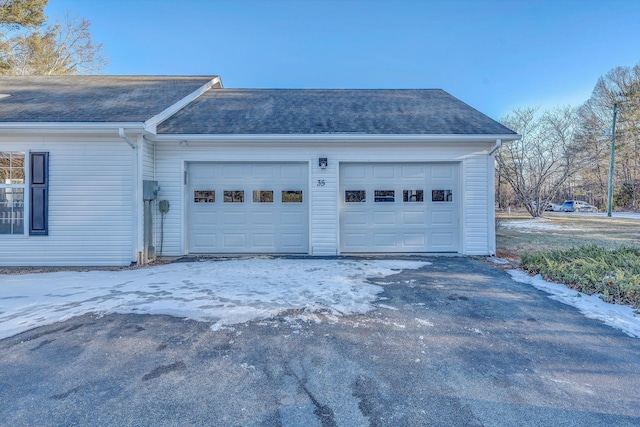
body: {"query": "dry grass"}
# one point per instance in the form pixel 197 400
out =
pixel 593 254
pixel 560 231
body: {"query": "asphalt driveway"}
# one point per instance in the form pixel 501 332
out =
pixel 456 342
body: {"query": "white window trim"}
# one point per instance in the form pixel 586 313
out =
pixel 25 195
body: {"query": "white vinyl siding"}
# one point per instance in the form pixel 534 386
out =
pixel 172 158
pixel 148 162
pixel 477 205
pixel 324 208
pixel 91 206
pixel 95 214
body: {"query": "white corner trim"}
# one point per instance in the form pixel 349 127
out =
pixel 154 121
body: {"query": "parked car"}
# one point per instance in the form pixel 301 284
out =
pixel 552 207
pixel 548 206
pixel 577 206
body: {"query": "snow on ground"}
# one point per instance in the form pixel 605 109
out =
pixel 545 224
pixel 622 215
pixel 235 291
pixel 618 316
pixel 537 224
pixel 222 292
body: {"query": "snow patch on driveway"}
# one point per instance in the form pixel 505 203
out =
pixel 618 316
pixel 221 292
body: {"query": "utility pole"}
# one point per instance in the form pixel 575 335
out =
pixel 613 152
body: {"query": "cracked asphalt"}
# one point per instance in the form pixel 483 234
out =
pixel 456 343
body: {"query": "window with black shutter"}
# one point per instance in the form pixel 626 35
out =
pixel 38 190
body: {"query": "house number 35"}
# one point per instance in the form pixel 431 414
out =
pixel 321 183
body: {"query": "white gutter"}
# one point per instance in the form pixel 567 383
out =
pixel 154 121
pixel 125 138
pixel 331 137
pixel 70 126
pixel 495 147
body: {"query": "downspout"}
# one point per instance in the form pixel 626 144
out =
pixel 492 197
pixel 495 147
pixel 125 138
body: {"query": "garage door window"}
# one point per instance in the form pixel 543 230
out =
pixel 352 196
pixel 204 196
pixel 413 196
pixel 233 196
pixel 262 196
pixel 384 196
pixel 292 196
pixel 441 196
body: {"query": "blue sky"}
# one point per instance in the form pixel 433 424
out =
pixel 494 55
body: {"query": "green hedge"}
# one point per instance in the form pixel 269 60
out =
pixel 591 269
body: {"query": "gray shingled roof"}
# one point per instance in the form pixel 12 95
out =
pixel 95 99
pixel 320 111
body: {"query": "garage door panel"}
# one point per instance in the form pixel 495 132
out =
pixel 442 172
pixel 264 241
pixel 383 171
pixel 262 172
pixel 292 240
pixel 234 240
pixel 233 171
pixel 203 218
pixel 355 171
pixel 442 218
pixel 263 218
pixel 206 240
pixel 354 218
pixel 204 175
pixel 413 172
pixel 444 241
pixel 258 221
pixel 385 222
pixel 414 241
pixel 413 218
pixel 234 218
pixel 295 172
pixel 356 240
pixel 294 218
pixel 384 218
pixel 385 240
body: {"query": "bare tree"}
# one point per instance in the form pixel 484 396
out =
pixel 537 165
pixel 63 48
pixel 620 86
pixel 29 47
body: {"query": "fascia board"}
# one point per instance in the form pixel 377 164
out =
pixel 154 121
pixel 335 138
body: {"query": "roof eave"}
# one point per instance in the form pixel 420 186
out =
pixel 336 137
pixel 70 127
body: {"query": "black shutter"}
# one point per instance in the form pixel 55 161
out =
pixel 39 192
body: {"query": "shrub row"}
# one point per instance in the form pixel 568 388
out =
pixel 613 273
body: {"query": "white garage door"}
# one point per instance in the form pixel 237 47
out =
pixel 248 208
pixel 399 207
